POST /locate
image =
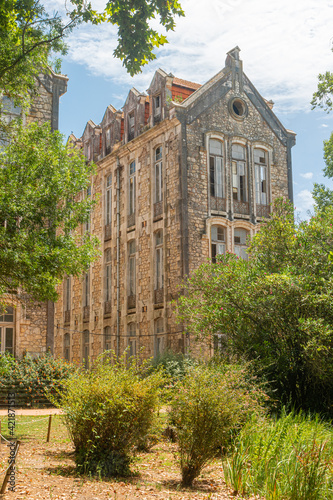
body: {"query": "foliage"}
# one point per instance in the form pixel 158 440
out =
pixel 42 181
pixel 275 309
pixel 32 380
pixel 322 195
pixel 286 458
pixel 108 412
pixel 210 405
pixel 29 34
pixel 174 365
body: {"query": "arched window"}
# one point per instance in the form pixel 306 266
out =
pixel 86 348
pixel 260 166
pixel 239 173
pixel 131 333
pixel 216 171
pixel 67 343
pixel 217 241
pixel 107 338
pixel 240 242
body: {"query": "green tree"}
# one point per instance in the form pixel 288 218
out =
pixel 29 35
pixel 41 210
pixel 322 98
pixel 276 309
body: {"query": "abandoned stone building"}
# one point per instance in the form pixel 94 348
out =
pixel 26 325
pixel 184 172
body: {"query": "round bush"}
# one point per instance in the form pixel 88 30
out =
pixel 109 411
pixel 208 408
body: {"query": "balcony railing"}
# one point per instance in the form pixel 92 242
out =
pixel 131 302
pixel 107 232
pixel 218 204
pixel 263 210
pixel 159 296
pixel 86 313
pixel 158 208
pixel 241 207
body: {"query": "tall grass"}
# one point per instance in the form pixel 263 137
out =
pixel 289 459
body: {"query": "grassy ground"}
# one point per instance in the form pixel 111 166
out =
pixel 47 470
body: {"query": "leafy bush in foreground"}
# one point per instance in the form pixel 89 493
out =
pixel 290 458
pixel 209 407
pixel 32 379
pixel 108 412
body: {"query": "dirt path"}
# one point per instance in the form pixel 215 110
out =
pixel 33 412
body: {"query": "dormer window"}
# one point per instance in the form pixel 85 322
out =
pixel 131 126
pixel 108 142
pixel 157 109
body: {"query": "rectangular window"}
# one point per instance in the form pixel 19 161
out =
pixel 108 275
pixel 216 168
pixel 108 200
pixel 239 188
pixel 131 126
pixel 131 190
pixel 86 290
pixel 159 275
pixel 88 222
pixel 67 294
pixel 260 165
pixel 86 353
pixel 7 339
pixel 158 175
pixel 132 269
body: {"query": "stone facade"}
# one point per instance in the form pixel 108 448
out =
pixel 30 327
pixel 184 173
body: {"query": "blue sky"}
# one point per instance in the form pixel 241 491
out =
pixel 284 46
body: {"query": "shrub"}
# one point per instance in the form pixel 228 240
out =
pixel 209 407
pixel 109 411
pixel 288 458
pixel 32 379
pixel 174 365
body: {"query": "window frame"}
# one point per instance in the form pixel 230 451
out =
pixel 217 244
pixel 86 289
pixel 86 348
pixel 238 183
pixel 132 188
pixel 216 189
pixel 159 270
pixel 108 275
pixel 258 178
pixel 241 252
pixel 108 200
pixel 158 174
pixel 131 245
pixel 7 322
pixel 67 346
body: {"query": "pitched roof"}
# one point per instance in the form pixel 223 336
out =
pixel 186 83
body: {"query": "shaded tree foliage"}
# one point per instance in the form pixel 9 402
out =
pixel 41 206
pixel 276 309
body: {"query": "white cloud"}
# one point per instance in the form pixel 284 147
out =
pixel 304 202
pixel 324 125
pixel 307 175
pixel 284 46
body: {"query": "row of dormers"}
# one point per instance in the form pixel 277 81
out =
pixel 140 112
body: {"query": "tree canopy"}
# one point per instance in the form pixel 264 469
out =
pixel 322 98
pixel 275 309
pixel 29 35
pixel 42 208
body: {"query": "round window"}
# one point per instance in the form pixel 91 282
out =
pixel 238 108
